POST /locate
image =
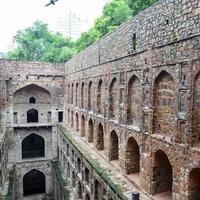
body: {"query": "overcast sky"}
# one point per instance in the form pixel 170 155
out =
pixel 19 14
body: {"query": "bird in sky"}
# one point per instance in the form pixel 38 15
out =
pixel 51 2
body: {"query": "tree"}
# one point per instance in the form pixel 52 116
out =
pixel 139 5
pixel 114 13
pixel 38 43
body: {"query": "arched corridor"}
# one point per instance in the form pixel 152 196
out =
pixel 100 138
pixel 34 183
pixel 114 146
pixel 132 156
pixel 33 146
pixel 90 131
pixel 162 180
pixel 194 184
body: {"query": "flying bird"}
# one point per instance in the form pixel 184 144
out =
pixel 51 2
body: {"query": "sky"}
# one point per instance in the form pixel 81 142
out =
pixel 19 14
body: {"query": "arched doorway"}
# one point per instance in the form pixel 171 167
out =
pixel 32 115
pixel 90 96
pixel 33 146
pixel 90 131
pixel 100 138
pixel 97 190
pixel 82 126
pixel 132 156
pixel 33 183
pixel 162 174
pixel 194 184
pixel 79 190
pixel 87 197
pixel 114 149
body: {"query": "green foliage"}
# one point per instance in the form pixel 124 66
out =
pixel 38 43
pixel 87 39
pixel 139 5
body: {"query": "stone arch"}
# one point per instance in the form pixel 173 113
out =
pixel 77 123
pixel 32 115
pixel 89 96
pixel 99 97
pixel 72 119
pixel 113 98
pixel 82 95
pixel 32 100
pixel 90 131
pixel 162 180
pixel 87 197
pixel 72 94
pixel 196 111
pixel 87 175
pixel 73 179
pixel 133 100
pixel 33 146
pixel 82 126
pixel 68 93
pixel 31 87
pixel 97 190
pixel 194 184
pixel 132 156
pixel 100 138
pixel 164 104
pixel 79 190
pixel 34 183
pixel 76 99
pixel 114 146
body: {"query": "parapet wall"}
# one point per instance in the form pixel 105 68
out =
pixel 167 21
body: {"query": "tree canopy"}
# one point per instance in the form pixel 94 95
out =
pixel 38 43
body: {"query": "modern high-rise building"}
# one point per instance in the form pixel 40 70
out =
pixel 71 25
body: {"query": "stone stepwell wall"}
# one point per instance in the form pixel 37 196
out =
pixel 11 68
pixel 167 21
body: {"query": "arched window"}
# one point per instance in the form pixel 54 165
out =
pixel 33 146
pixel 32 100
pixel 32 115
pixel 34 183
